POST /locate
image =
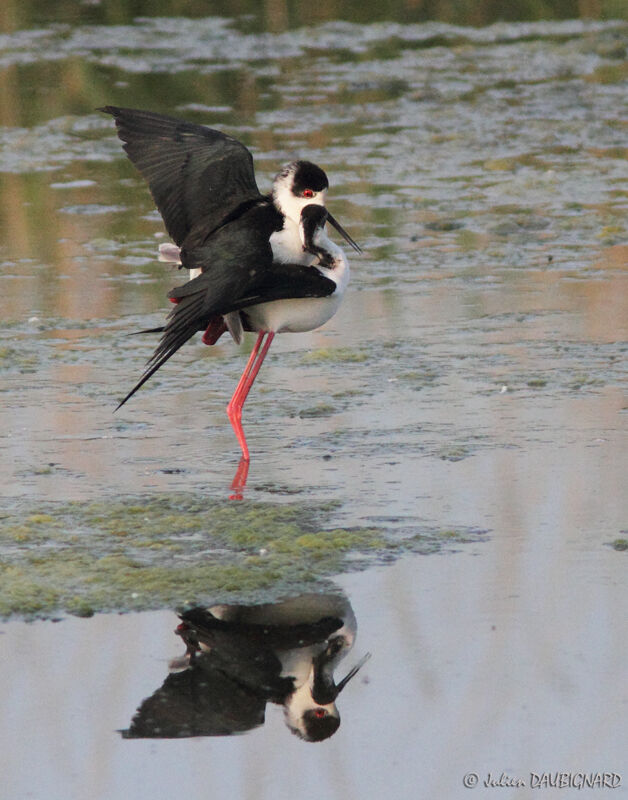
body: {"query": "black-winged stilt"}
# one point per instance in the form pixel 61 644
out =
pixel 257 262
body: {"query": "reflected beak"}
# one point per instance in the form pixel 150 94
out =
pixel 343 232
pixel 352 673
pixel 324 690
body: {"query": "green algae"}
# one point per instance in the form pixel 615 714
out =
pixel 336 355
pixel 434 544
pixel 454 452
pixel 14 359
pixel 140 553
pixel 419 379
pixel 321 410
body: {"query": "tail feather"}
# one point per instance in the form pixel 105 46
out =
pixel 147 330
pixel 158 360
pixel 183 322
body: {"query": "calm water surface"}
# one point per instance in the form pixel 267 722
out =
pixel 475 378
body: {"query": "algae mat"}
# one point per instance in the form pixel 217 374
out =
pixel 148 552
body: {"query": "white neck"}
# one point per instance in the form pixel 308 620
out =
pixel 287 245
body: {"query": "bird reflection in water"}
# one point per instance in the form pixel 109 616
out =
pixel 239 658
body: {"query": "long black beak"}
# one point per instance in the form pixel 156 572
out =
pixel 353 672
pixel 343 233
pixel 324 690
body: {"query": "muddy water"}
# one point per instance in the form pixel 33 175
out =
pixel 473 382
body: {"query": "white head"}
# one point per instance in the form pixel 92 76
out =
pixel 299 184
pixel 311 711
pixel 308 719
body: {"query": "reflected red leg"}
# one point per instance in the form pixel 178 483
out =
pixel 234 409
pixel 238 484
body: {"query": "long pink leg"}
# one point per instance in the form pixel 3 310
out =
pixel 234 409
pixel 246 370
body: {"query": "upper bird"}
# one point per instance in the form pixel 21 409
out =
pixel 257 262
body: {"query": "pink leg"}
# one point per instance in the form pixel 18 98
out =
pixel 249 364
pixel 234 409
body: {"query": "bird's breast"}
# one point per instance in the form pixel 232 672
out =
pixel 287 246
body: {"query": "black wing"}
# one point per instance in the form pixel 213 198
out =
pixel 238 271
pixel 198 176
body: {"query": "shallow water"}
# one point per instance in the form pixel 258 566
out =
pixel 473 381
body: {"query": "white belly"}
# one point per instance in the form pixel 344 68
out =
pixel 303 313
pixel 293 316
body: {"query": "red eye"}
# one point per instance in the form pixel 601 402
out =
pixel 308 193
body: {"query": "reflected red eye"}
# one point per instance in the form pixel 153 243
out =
pixel 320 713
pixel 308 193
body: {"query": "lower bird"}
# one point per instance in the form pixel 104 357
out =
pixel 261 263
